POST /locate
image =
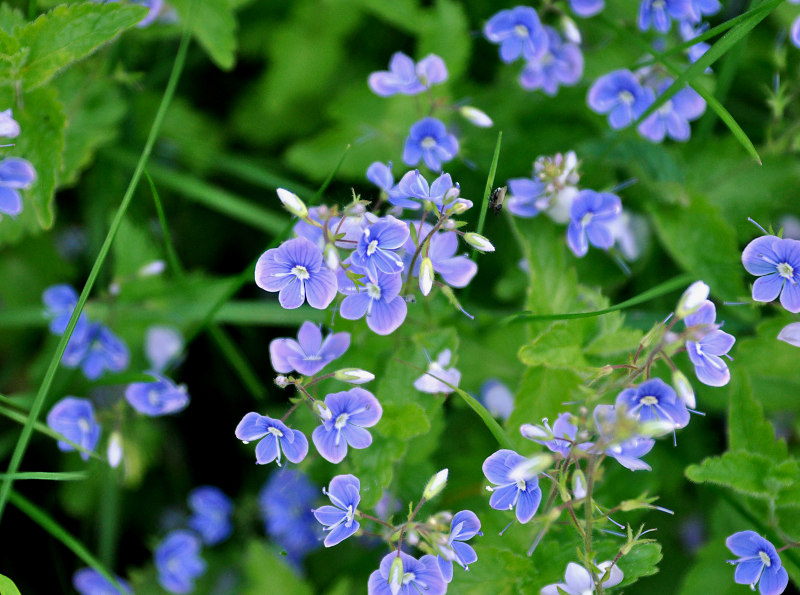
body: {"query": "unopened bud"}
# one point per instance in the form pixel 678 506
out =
pixel 331 257
pixel 353 375
pixel 570 29
pixel 396 572
pixel 578 484
pixel 435 485
pixel 282 381
pixel 683 388
pixel 426 276
pixel 152 268
pixel 692 299
pixel 532 432
pixel 114 452
pixel 322 410
pixel 476 116
pixel 292 203
pixel 478 242
pixel 451 194
pixel 460 205
pixel 530 468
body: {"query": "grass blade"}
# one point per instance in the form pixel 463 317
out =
pixel 487 191
pixel 48 476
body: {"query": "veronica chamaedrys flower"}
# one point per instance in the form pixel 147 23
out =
pixel 579 581
pixel 560 438
pixel 310 353
pixel 60 301
pixel 758 563
pixel 628 451
pixel 96 351
pixel 691 299
pixel 162 346
pixel 73 418
pixel 464 526
pixel 211 514
pixel 9 127
pixel 527 197
pixel 561 64
pixel 497 398
pixel 87 581
pixel 178 561
pixel 378 298
pixel 659 13
pixel 160 397
pixel 707 346
pixel 377 247
pixel 456 271
pixel 654 400
pixel 673 117
pixel 587 8
pixel 438 368
pixel 351 412
pixel 273 436
pixel 429 141
pixel 508 493
pixel 339 518
pixel 519 33
pixel 154 6
pixel 414 185
pixel 794 33
pixel 295 269
pixel 419 576
pixel 15 174
pixel 407 78
pixel 700 8
pixel 776 263
pixel 590 215
pixel 380 174
pixel 619 95
pixel 790 334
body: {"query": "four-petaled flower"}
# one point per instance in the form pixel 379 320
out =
pixel 519 33
pixel 339 519
pixel 161 397
pixel 590 216
pixel 211 514
pixel 456 271
pixel 419 576
pixel 95 348
pixel 15 174
pixel 428 384
pixel 561 64
pixel 758 563
pixel 672 118
pixel 619 95
pixel 377 247
pixel 707 345
pixel 350 412
pixel 776 263
pixel 579 581
pixel 660 12
pixel 408 78
pixel 309 354
pixel 414 185
pixel 273 436
pixel 74 419
pixel 654 400
pixel 178 561
pixel 464 526
pixel 510 492
pixel 429 140
pixel 378 298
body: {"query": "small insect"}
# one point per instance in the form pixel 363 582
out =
pixel 496 199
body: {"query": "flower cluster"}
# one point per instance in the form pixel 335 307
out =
pixel 15 173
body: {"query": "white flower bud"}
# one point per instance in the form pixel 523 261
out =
pixel 353 375
pixel 571 32
pixel 532 432
pixel 114 452
pixel 322 410
pixel 683 388
pixel 292 203
pixel 435 485
pixel 692 299
pixel 282 381
pixel 478 242
pixel 426 276
pixel 578 484
pixel 790 334
pixel 476 116
pixel 396 572
pixel 152 268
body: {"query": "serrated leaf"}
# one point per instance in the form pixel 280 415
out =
pixel 558 346
pixel 403 421
pixel 213 24
pixel 747 428
pixel 641 561
pixel 744 472
pixel 10 19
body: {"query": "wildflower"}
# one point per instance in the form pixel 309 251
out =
pixel 154 6
pixel 673 117
pixel 380 174
pixel 660 12
pixel 560 438
pixel 776 263
pixel 479 242
pixel 464 526
pixel 163 346
pixel 15 173
pixel 700 8
pixel 428 140
pixel 758 563
pixel 590 214
pixel 9 127
pixel 309 354
pixel 708 344
pixel 73 418
pixel 87 581
pixel 561 64
pixel 428 384
pixel 790 334
pixel 688 32
pixel 419 576
pixel 354 375
pixel 60 301
pixel 96 350
pixel 579 581
pixel 619 95
pixel 587 8
pixel 497 398
pixel 528 197
pixel 292 203
pixel 295 270
pixel 273 436
pixel 691 300
pixel 351 412
pixel 476 116
pixel 435 485
pixel 211 514
pixel 161 397
pixel 519 33
pixel 508 493
pixel 178 561
pixel 378 244
pixel 414 185
pixel 379 299
pixel 339 519
pixel 626 449
pixel 407 78
pixel 652 400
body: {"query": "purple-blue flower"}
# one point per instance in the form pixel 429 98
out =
pixel 497 398
pixel 519 33
pixel 273 436
pixel 211 514
pixel 350 412
pixel 528 197
pixel 73 418
pixel 587 8
pixel 673 117
pixel 419 576
pixel 163 346
pixel 178 561
pixel 758 563
pixel 414 185
pixel 87 581
pixel 378 245
pixel 590 215
pixel 689 32
pixel 160 397
pixel 9 127
pixel 627 452
pixel 654 400
pixel 563 434
pixel 309 354
pixel 429 141
pixel 579 581
pixel 408 78
pixel 776 263
pixel 456 271
pixel 15 173
pixel 700 8
pixel 380 174
pixel 510 492
pixel 794 33
pixel 428 384
pixel 339 518
pixel 619 95
pixel 707 346
pixel 60 301
pixel 295 269
pixel 378 298
pixel 286 501
pixel 96 350
pixel 660 12
pixel 464 526
pixel 561 64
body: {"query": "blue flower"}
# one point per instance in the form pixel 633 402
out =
pixel 776 263
pixel 561 64
pixel 428 384
pixel 510 492
pixel 700 8
pixel 295 269
pixel 464 526
pixel 378 299
pixel 590 215
pixel 627 452
pixel 428 140
pixel 519 33
pixel 619 95
pixel 654 400
pixel 178 561
pixel 73 418
pixel 60 301
pixel 87 581
pixel 563 434
pixel 9 127
pixel 309 354
pixel 96 350
pixel 579 581
pixel 456 271
pixel 414 185
pixel 211 514
pixel 497 398
pixel 794 33
pixel 708 345
pixel 689 32
pixel 587 8
pixel 380 174
pixel 419 576
pixel 15 173
pixel 350 412
pixel 659 12
pixel 161 397
pixel 339 519
pixel 408 78
pixel 758 563
pixel 672 118
pixel 378 245
pixel 273 436
pixel 163 346
pixel 528 196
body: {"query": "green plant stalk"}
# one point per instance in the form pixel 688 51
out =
pixel 487 191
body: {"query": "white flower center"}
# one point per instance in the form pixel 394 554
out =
pixel 586 219
pixel 648 400
pixel 521 31
pixel 520 484
pixel 665 109
pixel 785 270
pixel 275 432
pixel 626 97
pixel 341 421
pixel 373 245
pixel 300 272
pixel 373 291
pixel 428 142
pixel 408 577
pixel 765 558
pixel 83 425
pixel 152 397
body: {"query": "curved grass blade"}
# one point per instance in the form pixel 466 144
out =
pixel 48 476
pixel 487 191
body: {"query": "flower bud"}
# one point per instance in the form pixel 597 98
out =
pixel 435 485
pixel 292 203
pixel 532 432
pixel 152 269
pixel 322 410
pixel 426 276
pixel 790 334
pixel 353 375
pixel 476 116
pixel 478 242
pixel 451 194
pixel 570 29
pixel 331 257
pixel 530 468
pixel 578 484
pixel 683 388
pixel 692 299
pixel 282 381
pixel 114 452
pixel 396 572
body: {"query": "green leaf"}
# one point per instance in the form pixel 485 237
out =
pixel 555 347
pixel 504 569
pixel 641 561
pixel 445 31
pixel 375 466
pixel 10 20
pixel 487 191
pixel 265 572
pixel 403 421
pixel 747 473
pixel 747 428
pixel 213 24
pixel 67 34
pixel 7 586
pixel 48 476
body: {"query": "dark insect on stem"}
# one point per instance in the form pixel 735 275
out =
pixel 496 199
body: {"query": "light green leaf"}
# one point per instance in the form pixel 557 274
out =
pixel 745 472
pixel 48 476
pixel 403 421
pixel 10 19
pixel 265 572
pixel 558 346
pixel 642 561
pixel 213 24
pixel 747 428
pixel 7 586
